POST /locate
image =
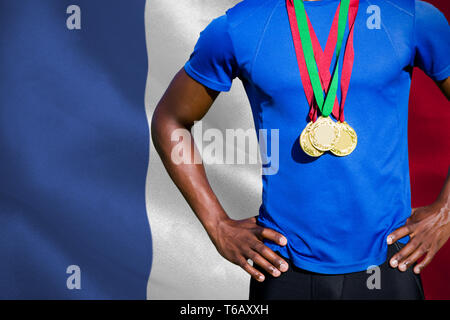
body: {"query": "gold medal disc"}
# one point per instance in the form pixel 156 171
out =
pixel 347 140
pixel 306 144
pixel 324 133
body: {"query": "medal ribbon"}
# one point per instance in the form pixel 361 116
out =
pixel 349 58
pixel 325 107
pixel 323 62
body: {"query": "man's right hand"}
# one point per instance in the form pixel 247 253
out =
pixel 240 240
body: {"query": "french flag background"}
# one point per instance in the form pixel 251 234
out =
pixel 75 154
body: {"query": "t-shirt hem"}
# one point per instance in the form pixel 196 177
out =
pixel 204 80
pixel 329 268
pixel 441 75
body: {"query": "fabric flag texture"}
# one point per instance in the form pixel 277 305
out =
pixel 74 150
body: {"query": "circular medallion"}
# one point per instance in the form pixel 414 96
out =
pixel 324 133
pixel 347 140
pixel 306 144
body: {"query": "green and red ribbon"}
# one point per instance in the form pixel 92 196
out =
pixel 314 64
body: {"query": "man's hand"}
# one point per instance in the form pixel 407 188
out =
pixel 240 240
pixel 429 229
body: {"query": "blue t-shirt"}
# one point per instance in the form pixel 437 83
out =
pixel 336 212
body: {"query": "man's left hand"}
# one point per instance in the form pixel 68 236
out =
pixel 428 229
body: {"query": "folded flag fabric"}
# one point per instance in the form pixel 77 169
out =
pixel 73 150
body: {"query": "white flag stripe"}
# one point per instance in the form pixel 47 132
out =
pixel 185 263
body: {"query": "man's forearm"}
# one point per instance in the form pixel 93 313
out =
pixel 190 178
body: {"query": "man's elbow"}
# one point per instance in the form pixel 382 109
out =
pixel 156 127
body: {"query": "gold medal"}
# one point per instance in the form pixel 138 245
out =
pixel 306 144
pixel 324 133
pixel 347 140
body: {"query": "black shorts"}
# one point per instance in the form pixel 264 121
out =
pixel 386 283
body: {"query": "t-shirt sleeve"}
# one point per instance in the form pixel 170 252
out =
pixel 432 41
pixel 213 61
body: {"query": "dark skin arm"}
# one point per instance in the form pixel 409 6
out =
pixel 184 102
pixel 428 227
pixel 444 85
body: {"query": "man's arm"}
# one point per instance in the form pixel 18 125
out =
pixel 444 85
pixel 428 227
pixel 184 102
